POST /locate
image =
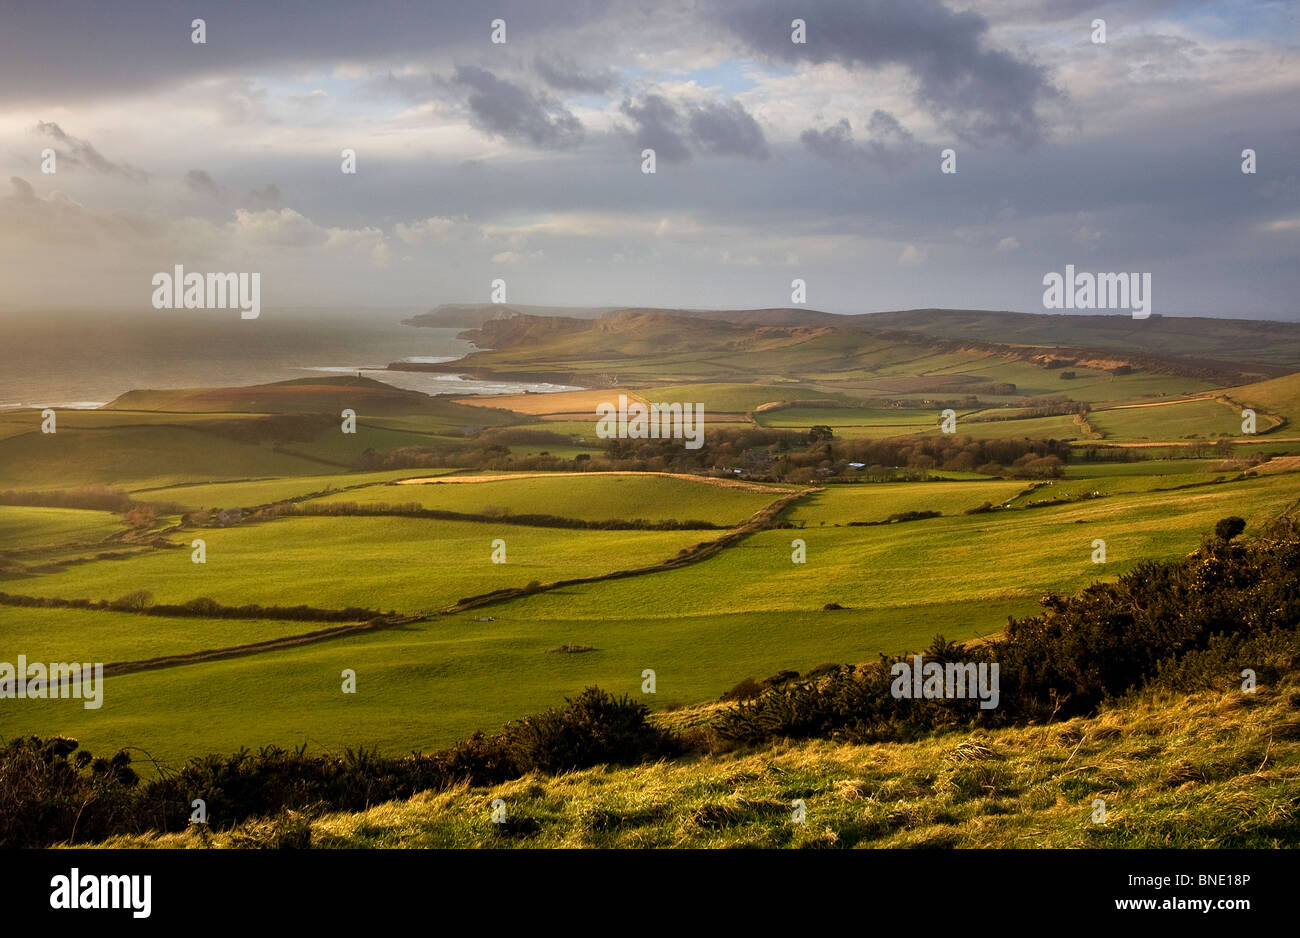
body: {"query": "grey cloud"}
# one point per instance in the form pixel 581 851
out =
pixel 505 109
pixel 201 181
pixel 980 94
pixel 564 75
pixel 266 197
pixel 729 130
pixel 23 190
pixel 713 128
pixel 889 144
pixel 80 152
pixel 86 49
pixel 658 126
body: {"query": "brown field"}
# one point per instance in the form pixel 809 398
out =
pixel 565 403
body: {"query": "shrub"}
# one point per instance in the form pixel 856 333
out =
pixel 1230 527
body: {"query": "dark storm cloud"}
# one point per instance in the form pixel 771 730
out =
pixel 714 128
pixel 564 75
pixel 889 144
pixel 980 94
pixel 73 151
pixel 505 109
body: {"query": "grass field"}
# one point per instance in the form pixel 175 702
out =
pixel 587 496
pixel 384 563
pixel 748 611
pixel 264 491
pixel 28 528
pixel 1175 421
pixel 842 504
pixel 108 637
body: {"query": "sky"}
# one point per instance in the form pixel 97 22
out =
pixel 775 160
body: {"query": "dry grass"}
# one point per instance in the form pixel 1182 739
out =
pixel 1207 770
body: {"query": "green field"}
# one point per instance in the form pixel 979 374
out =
pixel 108 637
pixel 588 496
pixel 1180 421
pixel 747 611
pixel 29 528
pixel 264 491
pixel 384 563
pixel 876 501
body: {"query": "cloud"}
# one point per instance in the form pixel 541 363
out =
pixel 720 129
pixel 982 95
pixel 912 256
pixel 1009 243
pixel 280 228
pixel 23 190
pixel 514 257
pixel 434 229
pixel 564 75
pixel 658 126
pixel 201 181
pixel 82 153
pixel 727 130
pixel 505 109
pixel 266 197
pixel 889 144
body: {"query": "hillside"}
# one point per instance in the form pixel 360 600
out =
pixel 317 395
pixel 1278 396
pixel 1264 347
pixel 1206 770
pixel 662 346
pixel 1244 342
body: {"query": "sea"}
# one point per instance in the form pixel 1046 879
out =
pixel 84 360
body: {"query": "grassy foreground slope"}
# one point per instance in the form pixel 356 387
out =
pixel 1214 769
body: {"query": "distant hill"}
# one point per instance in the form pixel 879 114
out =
pixel 651 345
pixel 474 315
pixel 1261 348
pixel 326 394
pixel 1245 342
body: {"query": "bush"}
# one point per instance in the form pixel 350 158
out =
pixel 1228 528
pixel 591 729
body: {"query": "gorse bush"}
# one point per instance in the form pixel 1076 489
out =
pixel 51 792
